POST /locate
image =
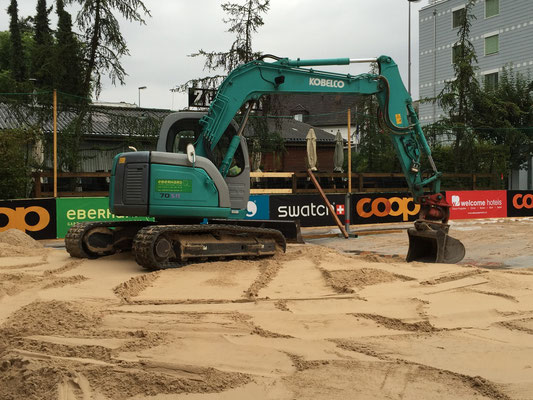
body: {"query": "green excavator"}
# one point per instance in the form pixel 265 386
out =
pixel 200 173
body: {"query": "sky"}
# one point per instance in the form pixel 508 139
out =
pixel 159 50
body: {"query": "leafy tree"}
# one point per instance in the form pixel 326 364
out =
pixel 104 43
pixel 18 66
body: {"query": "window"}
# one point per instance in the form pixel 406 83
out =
pixel 492 8
pixel 491 80
pixel 456 52
pixel 458 17
pixel 492 44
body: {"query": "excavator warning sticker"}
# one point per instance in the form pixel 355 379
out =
pixel 398 119
pixel 174 185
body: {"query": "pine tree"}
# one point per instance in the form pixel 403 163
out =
pixel 104 42
pixel 68 71
pixel 244 20
pixel 42 57
pixel 18 66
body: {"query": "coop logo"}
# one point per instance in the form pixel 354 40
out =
pixel 332 83
pixel 383 207
pixel 456 201
pixel 16 218
pixel 520 201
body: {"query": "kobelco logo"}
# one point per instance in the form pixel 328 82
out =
pixel 521 201
pixel 326 83
pixel 382 207
pixel 16 218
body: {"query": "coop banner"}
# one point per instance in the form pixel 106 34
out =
pixel 519 203
pixel 71 210
pixel 258 207
pixel 309 209
pixel 376 208
pixel 36 217
pixel 477 204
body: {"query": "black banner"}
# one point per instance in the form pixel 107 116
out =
pixel 309 209
pixel 376 208
pixel 519 203
pixel 36 217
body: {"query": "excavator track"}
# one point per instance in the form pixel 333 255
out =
pixel 98 239
pixel 171 246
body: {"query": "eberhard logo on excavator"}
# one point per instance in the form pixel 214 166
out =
pixel 218 194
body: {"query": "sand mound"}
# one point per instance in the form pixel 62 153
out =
pixel 15 237
pixel 52 318
pixel 15 243
pixel 344 280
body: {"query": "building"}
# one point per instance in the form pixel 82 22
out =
pixel 502 34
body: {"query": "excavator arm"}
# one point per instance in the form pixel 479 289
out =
pixel 247 83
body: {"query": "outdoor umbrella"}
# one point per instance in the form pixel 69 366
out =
pixel 311 149
pixel 338 156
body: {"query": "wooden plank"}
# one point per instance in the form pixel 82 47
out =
pixel 76 194
pixel 271 174
pixel 271 191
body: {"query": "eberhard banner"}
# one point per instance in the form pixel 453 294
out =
pixel 36 217
pixel 71 210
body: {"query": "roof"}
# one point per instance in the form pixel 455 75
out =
pixel 127 121
pixel 294 131
pixel 100 121
pixel 320 109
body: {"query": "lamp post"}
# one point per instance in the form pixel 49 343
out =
pixel 140 88
pixel 409 47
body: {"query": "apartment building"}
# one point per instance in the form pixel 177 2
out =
pixel 502 34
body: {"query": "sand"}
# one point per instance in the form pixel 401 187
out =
pixel 331 319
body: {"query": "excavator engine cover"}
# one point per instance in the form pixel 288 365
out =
pixel 433 245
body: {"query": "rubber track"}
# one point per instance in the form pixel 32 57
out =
pixel 143 243
pixel 74 236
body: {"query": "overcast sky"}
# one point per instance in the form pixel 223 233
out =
pixel 293 28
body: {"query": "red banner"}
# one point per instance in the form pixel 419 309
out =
pixel 477 204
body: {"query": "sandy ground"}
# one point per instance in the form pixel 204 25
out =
pixel 319 322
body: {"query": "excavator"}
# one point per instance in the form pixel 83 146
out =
pixel 196 185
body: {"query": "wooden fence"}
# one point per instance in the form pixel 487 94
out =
pixel 89 184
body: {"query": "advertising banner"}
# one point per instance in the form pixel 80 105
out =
pixel 309 209
pixel 71 210
pixel 258 207
pixel 36 217
pixel 376 208
pixel 477 204
pixel 519 203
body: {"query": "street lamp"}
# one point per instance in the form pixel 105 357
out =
pixel 140 88
pixel 409 46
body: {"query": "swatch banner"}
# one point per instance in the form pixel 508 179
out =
pixel 519 203
pixel 376 208
pixel 477 204
pixel 309 209
pixel 35 217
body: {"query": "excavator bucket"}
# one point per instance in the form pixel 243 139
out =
pixel 434 246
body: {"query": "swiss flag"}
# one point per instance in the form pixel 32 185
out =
pixel 340 209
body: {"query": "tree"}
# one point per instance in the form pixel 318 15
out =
pixel 104 43
pixel 68 70
pixel 244 20
pixel 18 66
pixel 42 55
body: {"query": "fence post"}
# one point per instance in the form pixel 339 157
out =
pixel 474 181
